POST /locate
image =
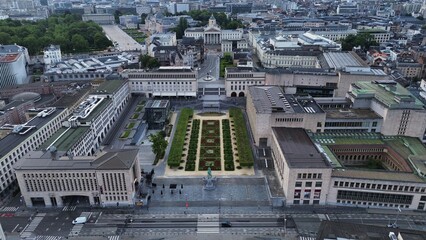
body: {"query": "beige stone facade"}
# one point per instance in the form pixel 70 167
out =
pixel 106 179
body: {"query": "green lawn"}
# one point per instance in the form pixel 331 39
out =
pixel 175 154
pixel 125 134
pixel 135 116
pixel 138 109
pixel 224 64
pixel 131 125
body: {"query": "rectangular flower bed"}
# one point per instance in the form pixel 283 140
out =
pixel 210 146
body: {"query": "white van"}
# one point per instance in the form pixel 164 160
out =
pixel 80 220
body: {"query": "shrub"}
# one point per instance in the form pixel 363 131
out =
pixel 243 143
pixel 227 146
pixel 175 154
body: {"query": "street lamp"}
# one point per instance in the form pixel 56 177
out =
pixel 397 215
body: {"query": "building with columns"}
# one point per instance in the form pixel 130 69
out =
pixel 213 34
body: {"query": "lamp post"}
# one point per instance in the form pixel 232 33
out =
pixel 396 220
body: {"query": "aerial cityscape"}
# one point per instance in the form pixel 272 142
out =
pixel 193 119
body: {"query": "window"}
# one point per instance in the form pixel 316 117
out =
pixel 298 184
pixel 318 184
pixel 296 202
pixel 308 184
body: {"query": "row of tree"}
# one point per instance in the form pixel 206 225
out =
pixel 68 31
pixel 363 40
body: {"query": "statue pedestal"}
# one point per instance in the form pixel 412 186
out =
pixel 209 183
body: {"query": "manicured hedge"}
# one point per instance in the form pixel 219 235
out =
pixel 193 143
pixel 243 144
pixel 175 154
pixel 227 146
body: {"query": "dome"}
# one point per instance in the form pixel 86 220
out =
pixel 26 96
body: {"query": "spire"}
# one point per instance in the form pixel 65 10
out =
pixel 212 21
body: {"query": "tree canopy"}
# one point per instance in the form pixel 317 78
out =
pixel 180 28
pixel 364 40
pixel 222 20
pixel 148 62
pixel 68 31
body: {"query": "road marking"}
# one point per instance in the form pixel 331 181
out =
pixel 59 229
pixel 98 217
pixel 15 227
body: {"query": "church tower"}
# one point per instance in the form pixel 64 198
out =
pixel 212 21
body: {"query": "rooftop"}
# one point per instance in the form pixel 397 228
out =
pixel 64 138
pixel 389 93
pixel 109 87
pixel 351 113
pixel 298 149
pixel 157 104
pixel 9 142
pixel 339 60
pixel 122 159
pixel 269 99
pixel 409 148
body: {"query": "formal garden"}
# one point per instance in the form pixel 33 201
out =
pixel 216 141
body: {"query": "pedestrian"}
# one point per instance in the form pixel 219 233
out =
pixel 161 192
pixel 163 185
pixel 181 186
pixel 180 192
pixel 153 191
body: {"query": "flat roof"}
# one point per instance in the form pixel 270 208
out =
pixel 376 175
pixel 121 159
pixel 268 99
pixel 389 93
pixel 409 148
pixel 157 103
pixel 98 109
pixel 339 60
pixel 350 113
pixel 298 149
pixel 67 140
pixel 109 86
pixel 12 140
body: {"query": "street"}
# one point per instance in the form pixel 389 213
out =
pixel 158 220
pixel 210 65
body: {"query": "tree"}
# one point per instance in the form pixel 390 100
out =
pixel 101 42
pixel 79 44
pixel 153 63
pixel 181 27
pixel 143 17
pixel 159 144
pixel 364 40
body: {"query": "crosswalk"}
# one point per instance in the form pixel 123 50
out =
pixel 69 208
pixel 33 225
pixel 208 223
pixel 9 209
pixel 113 237
pixel 49 238
pixel 77 227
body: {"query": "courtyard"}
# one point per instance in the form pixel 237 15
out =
pixel 208 140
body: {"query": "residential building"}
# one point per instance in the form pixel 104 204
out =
pixel 409 67
pixel 164 82
pixel 13 65
pixel 379 35
pixel 130 21
pixel 47 178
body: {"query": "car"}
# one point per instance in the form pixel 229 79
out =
pixel 226 224
pixel 79 220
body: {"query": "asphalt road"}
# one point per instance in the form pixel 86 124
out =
pixel 58 223
pixel 210 65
